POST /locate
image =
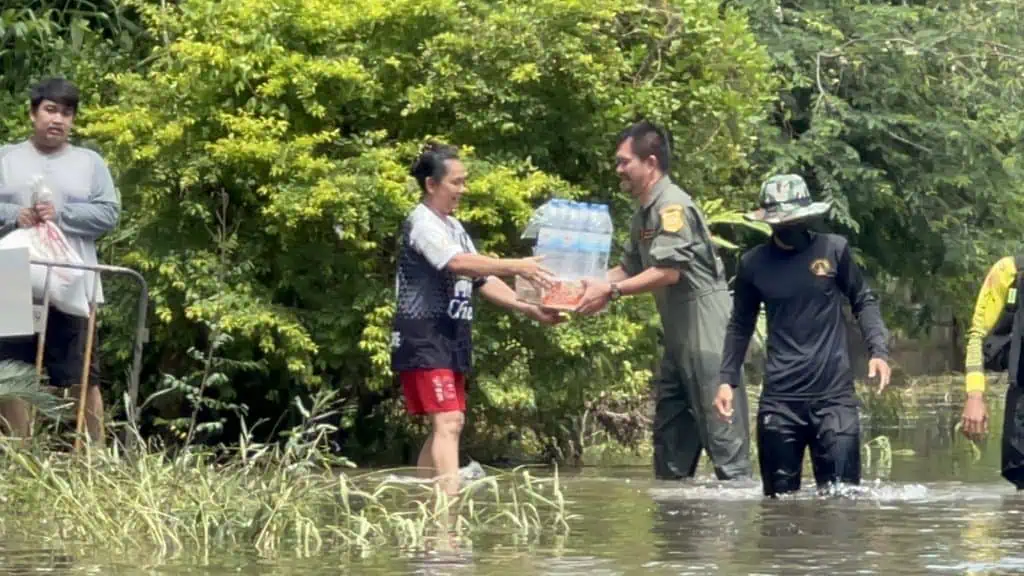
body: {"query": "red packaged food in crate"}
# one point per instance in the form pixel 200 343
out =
pixel 563 295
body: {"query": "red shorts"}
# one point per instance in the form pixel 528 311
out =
pixel 433 391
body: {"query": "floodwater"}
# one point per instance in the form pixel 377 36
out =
pixel 938 507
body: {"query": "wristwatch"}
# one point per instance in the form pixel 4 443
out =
pixel 615 292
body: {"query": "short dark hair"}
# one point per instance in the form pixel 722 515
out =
pixel 431 163
pixel 57 90
pixel 649 139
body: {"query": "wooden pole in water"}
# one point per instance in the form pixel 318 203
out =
pixel 86 363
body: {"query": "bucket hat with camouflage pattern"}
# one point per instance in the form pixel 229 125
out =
pixel 786 200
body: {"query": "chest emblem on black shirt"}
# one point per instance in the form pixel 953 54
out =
pixel 821 267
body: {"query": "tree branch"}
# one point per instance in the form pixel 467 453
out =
pixel 895 136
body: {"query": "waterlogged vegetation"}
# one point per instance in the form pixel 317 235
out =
pixel 294 498
pixel 195 504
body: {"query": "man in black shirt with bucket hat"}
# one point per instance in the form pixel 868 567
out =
pixel 808 397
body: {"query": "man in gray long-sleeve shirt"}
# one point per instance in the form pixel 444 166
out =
pixel 85 205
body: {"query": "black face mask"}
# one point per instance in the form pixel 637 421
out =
pixel 796 237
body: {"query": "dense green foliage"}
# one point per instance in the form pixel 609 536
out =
pixel 261 150
pixel 908 115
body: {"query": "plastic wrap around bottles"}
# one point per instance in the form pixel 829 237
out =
pixel 575 240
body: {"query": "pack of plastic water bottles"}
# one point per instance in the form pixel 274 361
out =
pixel 575 239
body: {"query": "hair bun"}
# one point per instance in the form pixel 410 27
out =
pixel 430 163
pixel 417 165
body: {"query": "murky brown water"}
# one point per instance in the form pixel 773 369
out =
pixel 938 507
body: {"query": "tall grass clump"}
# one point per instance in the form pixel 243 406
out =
pixel 289 497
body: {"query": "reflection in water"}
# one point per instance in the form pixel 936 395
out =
pixel 941 509
pixel 18 557
pixel 700 528
pixel 993 540
pixel 449 560
pixel 872 529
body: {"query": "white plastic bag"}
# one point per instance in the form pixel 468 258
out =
pixel 67 285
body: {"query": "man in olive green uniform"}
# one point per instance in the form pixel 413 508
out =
pixel 670 254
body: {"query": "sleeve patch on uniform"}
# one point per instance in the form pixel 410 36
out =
pixel 672 218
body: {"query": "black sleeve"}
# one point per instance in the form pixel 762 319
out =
pixel 746 305
pixel 864 304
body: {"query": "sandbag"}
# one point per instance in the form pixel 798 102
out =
pixel 67 285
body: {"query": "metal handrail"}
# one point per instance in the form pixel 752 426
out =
pixel 141 333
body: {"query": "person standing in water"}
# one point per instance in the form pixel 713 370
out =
pixel 808 397
pixel 994 342
pixel 431 341
pixel 670 254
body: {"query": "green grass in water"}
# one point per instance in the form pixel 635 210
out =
pixel 190 504
pixel 293 497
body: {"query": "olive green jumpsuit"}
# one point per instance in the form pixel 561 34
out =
pixel 669 231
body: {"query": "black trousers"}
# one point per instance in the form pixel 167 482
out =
pixel 63 351
pixel 830 428
pixel 1013 437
